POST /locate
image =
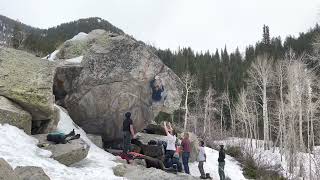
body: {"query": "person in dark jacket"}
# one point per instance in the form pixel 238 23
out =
pixel 221 161
pixel 157 89
pixel 128 132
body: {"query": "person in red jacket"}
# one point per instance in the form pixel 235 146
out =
pixel 186 150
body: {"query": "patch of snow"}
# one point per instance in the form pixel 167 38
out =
pixel 52 56
pixel 99 20
pixel 79 36
pixel 20 149
pixel 232 168
pixel 273 157
pixel 75 60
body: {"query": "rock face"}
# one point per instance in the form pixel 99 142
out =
pixel 66 154
pixel 96 139
pixel 27 81
pixel 113 78
pixel 13 114
pixel 31 173
pixel 6 171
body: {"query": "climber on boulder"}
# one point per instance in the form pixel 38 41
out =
pixel 157 89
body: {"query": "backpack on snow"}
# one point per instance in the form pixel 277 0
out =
pixel 57 137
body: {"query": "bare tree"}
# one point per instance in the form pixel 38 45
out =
pixel 280 81
pixel 209 109
pixel 261 76
pixel 189 87
pixel 227 100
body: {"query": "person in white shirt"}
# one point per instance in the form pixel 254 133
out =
pixel 171 145
pixel 202 157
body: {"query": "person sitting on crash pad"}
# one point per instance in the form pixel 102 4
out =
pixel 62 138
pixel 157 89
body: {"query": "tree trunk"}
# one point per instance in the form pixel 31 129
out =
pixel 186 111
pixel 265 117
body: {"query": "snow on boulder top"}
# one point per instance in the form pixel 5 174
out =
pixel 75 60
pixel 79 36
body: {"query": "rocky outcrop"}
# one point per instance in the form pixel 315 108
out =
pixel 30 173
pixel 144 138
pixel 67 154
pixel 6 171
pixel 138 172
pixel 14 115
pixel 96 139
pixel 27 81
pixel 113 78
pixel 155 129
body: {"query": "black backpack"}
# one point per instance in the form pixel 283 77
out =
pixel 58 138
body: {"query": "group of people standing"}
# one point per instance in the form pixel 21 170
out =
pixel 172 148
pixel 173 151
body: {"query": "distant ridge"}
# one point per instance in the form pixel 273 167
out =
pixel 44 41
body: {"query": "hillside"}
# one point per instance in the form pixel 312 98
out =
pixel 44 41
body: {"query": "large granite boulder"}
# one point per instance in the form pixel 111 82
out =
pixel 14 115
pixel 66 154
pixel 31 173
pixel 113 77
pixel 27 81
pixel 6 171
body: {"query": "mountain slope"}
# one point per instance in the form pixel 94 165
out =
pixel 43 41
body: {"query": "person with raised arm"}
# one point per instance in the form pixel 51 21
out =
pixel 171 144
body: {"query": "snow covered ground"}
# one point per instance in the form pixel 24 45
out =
pixel 19 149
pixel 273 157
pixel 232 167
pixel 79 36
pixel 52 56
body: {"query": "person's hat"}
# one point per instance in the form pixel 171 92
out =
pixel 128 114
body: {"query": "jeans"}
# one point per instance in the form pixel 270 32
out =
pixel 185 161
pixel 126 141
pixel 221 170
pixel 168 158
pixel 200 166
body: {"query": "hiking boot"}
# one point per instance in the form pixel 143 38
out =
pixel 72 133
pixel 77 136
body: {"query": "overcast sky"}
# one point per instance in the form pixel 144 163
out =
pixel 200 24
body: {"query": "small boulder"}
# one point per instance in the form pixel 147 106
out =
pixel 96 139
pixel 155 129
pixel 6 171
pixel 31 173
pixel 14 115
pixel 145 138
pixel 66 154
